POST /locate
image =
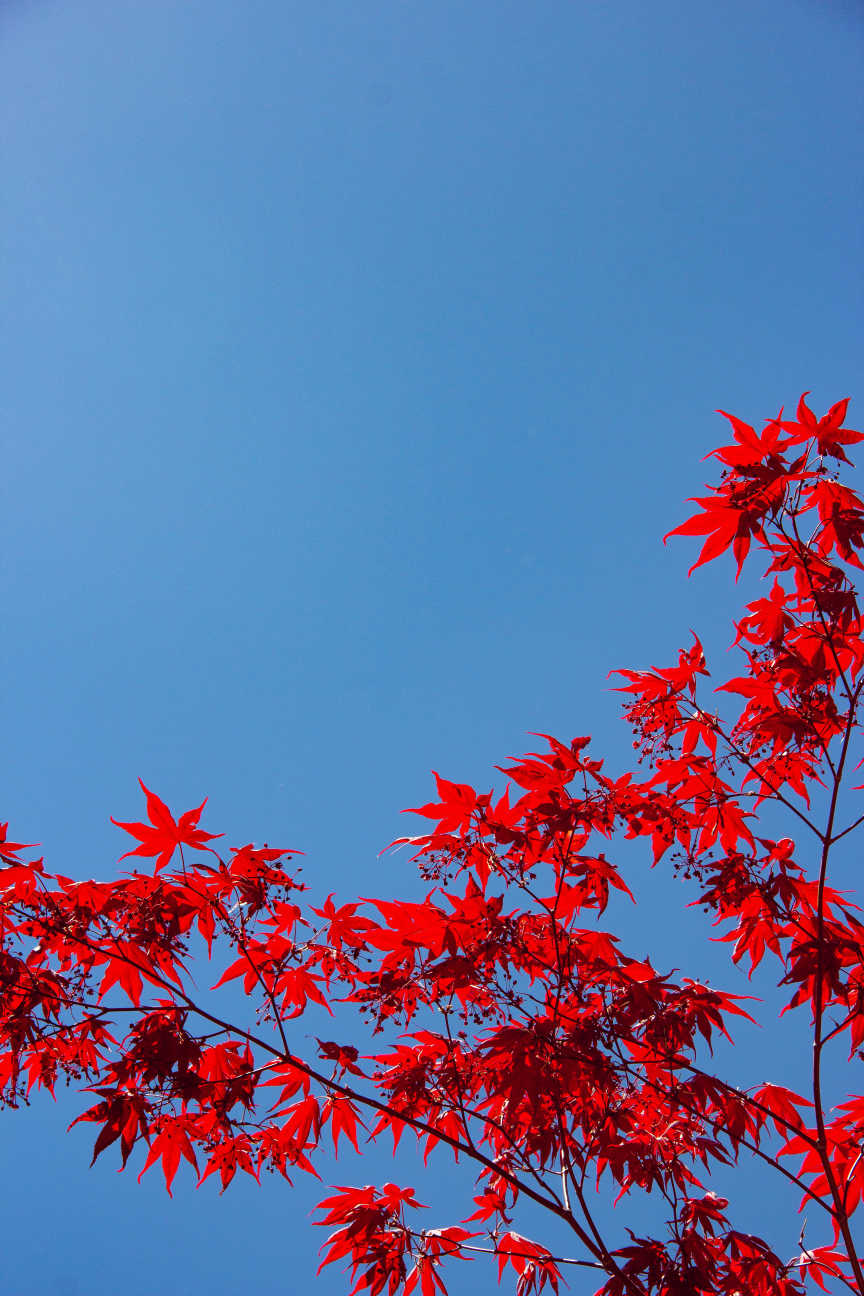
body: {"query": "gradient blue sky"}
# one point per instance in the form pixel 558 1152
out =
pixel 356 357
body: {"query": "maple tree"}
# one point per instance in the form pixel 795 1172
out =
pixel 494 1019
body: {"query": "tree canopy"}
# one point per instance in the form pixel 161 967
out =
pixel 495 1020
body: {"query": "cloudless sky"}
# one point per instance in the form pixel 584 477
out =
pixel 356 357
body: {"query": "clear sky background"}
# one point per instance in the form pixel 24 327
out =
pixel 356 357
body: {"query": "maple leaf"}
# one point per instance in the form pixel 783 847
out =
pixel 164 834
pixel 455 809
pixel 749 446
pixel 10 849
pixel 723 525
pixel 829 434
pixel 171 1142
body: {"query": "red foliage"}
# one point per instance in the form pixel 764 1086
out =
pixel 525 1040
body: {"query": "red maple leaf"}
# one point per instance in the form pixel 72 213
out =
pixel 9 849
pixel 829 434
pixel 164 834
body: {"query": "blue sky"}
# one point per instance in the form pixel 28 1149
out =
pixel 356 359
